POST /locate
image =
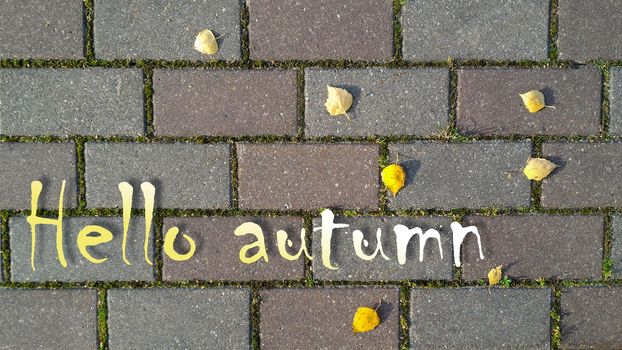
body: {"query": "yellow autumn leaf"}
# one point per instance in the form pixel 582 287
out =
pixel 365 319
pixel 538 168
pixel 206 42
pixel 393 176
pixel 534 100
pixel 494 276
pixel 338 102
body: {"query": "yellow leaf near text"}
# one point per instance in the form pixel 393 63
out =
pixel 365 319
pixel 206 42
pixel 538 168
pixel 393 176
pixel 494 276
pixel 533 100
pixel 338 102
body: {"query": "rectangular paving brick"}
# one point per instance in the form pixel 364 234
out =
pixel 589 30
pixel 216 256
pixel 153 29
pixel 352 268
pixel 434 30
pixel 590 318
pixel 213 102
pixel 386 101
pixel 38 318
pixel 536 246
pixel 179 318
pixel 321 29
pixel 615 101
pixel 616 248
pixel 307 176
pixel 489 101
pixel 50 163
pixel 184 175
pixel 473 318
pixel 589 175
pixel 61 102
pixel 79 269
pixel 321 318
pixel 41 29
pixel 462 175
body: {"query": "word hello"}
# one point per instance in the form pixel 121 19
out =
pixel 92 235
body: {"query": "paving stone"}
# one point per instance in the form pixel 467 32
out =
pixel 307 176
pixel 473 318
pixel 321 29
pixel 184 175
pixel 590 318
pixel 514 30
pixel 216 318
pixel 589 30
pixel 386 101
pixel 44 319
pixel 321 318
pixel 152 29
pixel 352 268
pixel 536 246
pixel 224 102
pixel 79 269
pixel 50 163
pixel 588 175
pixel 616 249
pixel 216 256
pixel 36 29
pixel 61 102
pixel 462 175
pixel 489 101
pixel 615 101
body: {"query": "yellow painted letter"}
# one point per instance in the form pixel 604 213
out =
pixel 254 229
pixel 126 195
pixel 169 248
pixel 84 241
pixel 281 239
pixel 149 194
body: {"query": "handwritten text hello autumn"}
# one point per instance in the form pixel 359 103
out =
pixel 93 235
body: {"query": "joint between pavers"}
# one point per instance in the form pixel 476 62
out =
pixel 308 264
pixel 397 31
pixel 6 247
pixel 300 104
pixel 604 109
pixel 148 100
pixel 81 170
pixel 233 163
pixel 607 262
pixel 555 317
pixel 89 42
pixel 158 242
pixel 244 33
pixel 102 318
pixel 405 321
pixel 255 318
pixel 553 32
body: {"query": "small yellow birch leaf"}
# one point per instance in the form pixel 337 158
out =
pixel 338 102
pixel 393 176
pixel 206 42
pixel 538 168
pixel 494 276
pixel 534 100
pixel 365 319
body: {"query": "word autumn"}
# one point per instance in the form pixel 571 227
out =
pixel 93 235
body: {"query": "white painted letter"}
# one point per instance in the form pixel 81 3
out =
pixel 327 235
pixel 357 238
pixel 459 235
pixel 403 235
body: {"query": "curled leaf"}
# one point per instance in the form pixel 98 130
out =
pixel 365 320
pixel 534 100
pixel 338 102
pixel 494 276
pixel 206 42
pixel 538 168
pixel 393 176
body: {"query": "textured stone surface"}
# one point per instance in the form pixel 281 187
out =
pixel 590 318
pixel 386 101
pixel 216 257
pixel 471 175
pixel 321 29
pixel 184 175
pixel 50 163
pixel 351 267
pixel 588 175
pixel 536 246
pixel 616 248
pixel 224 102
pixel 79 269
pixel 308 176
pixel 589 30
pixel 41 29
pixel 615 101
pixel 153 29
pixel 489 101
pixel 215 318
pixel 472 318
pixel 321 318
pixel 44 319
pixel 92 101
pixel 483 29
